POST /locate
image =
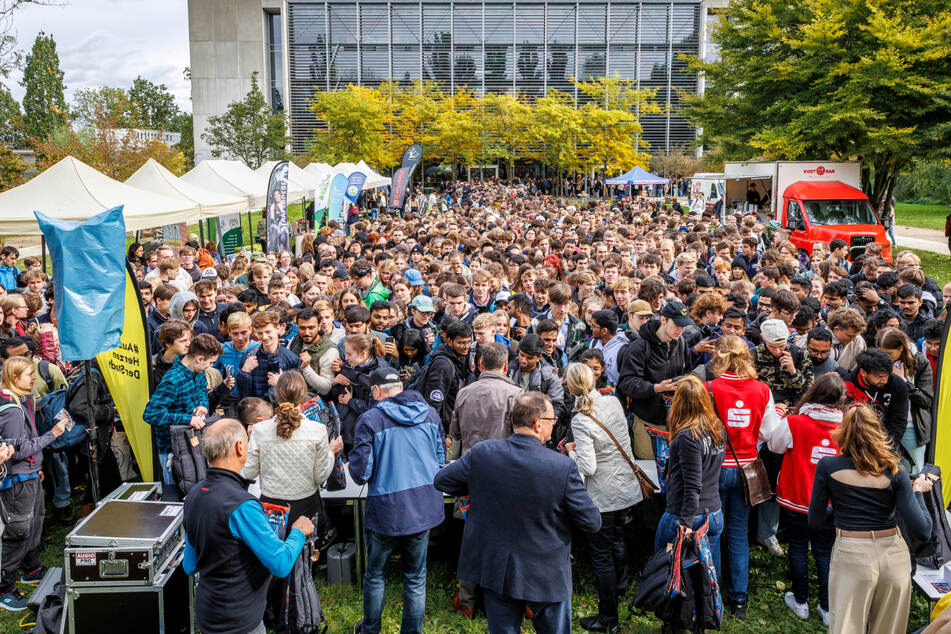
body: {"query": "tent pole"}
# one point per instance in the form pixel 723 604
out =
pixel 250 231
pixel 92 436
pixel 201 233
pixel 43 251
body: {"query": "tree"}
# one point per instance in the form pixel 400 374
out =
pixel 44 106
pixel 11 119
pixel 457 135
pixel 505 121
pixel 865 80
pixel 248 130
pixel 183 124
pixel 554 130
pixel 155 105
pixel 113 104
pixel 12 168
pixel 411 112
pixel 354 129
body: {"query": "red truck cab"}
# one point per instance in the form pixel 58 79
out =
pixel 824 210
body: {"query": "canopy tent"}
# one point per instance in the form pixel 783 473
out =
pixel 345 168
pixel 299 183
pixel 229 177
pixel 71 190
pixel 316 171
pixel 637 176
pixel 153 177
pixel 374 179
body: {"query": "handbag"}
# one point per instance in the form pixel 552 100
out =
pixel 755 480
pixel 647 486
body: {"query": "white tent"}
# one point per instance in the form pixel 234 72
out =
pixel 374 179
pixel 298 181
pixel 229 177
pixel 153 177
pixel 71 190
pixel 345 168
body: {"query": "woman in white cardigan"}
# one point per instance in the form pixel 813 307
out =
pixel 290 454
pixel 610 482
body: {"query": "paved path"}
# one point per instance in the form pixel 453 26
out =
pixel 924 239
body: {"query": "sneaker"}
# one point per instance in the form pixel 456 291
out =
pixel 64 515
pixel 824 614
pixel 469 613
pixel 738 608
pixel 358 627
pixel 772 545
pixel 13 601
pixel 595 624
pixel 799 609
pixel 34 578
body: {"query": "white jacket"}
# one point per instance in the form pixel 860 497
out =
pixel 607 475
pixel 290 469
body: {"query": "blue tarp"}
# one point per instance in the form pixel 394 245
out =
pixel 89 279
pixel 637 176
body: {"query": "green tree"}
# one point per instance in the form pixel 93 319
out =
pixel 91 105
pixel 155 105
pixel 183 124
pixel 248 130
pixel 554 130
pixel 11 119
pixel 44 106
pixel 505 121
pixel 867 80
pixel 353 129
pixel 12 168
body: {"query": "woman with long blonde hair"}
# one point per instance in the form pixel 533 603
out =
pixel 22 497
pixel 290 453
pixel 601 449
pixel 745 405
pixel 870 570
pixel 693 468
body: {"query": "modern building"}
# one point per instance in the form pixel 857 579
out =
pixel 299 46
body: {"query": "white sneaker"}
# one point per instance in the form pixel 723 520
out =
pixel 799 609
pixel 772 545
pixel 824 614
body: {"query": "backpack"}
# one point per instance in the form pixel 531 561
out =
pixel 46 411
pixel 418 381
pixel 189 466
pixel 316 409
pixel 935 551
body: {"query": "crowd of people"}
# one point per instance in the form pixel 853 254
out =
pixel 519 353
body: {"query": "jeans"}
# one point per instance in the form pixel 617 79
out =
pixel 170 490
pixel 767 520
pixel 413 556
pixel 609 562
pixel 800 537
pixel 669 523
pixel 909 441
pixel 504 615
pixel 59 470
pixel 736 515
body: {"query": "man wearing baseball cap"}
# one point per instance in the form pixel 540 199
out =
pixel 648 371
pixel 785 368
pixel 398 447
pixel 638 313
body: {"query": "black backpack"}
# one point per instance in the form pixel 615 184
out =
pixel 189 466
pixel 935 551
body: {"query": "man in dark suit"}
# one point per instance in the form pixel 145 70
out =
pixel 525 502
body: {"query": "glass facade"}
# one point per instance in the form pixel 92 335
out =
pixel 275 61
pixel 493 47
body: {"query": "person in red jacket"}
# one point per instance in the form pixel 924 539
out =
pixel 806 438
pixel 745 405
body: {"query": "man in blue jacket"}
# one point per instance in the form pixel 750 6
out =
pixel 525 501
pixel 398 447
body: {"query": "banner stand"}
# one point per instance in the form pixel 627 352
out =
pixel 92 436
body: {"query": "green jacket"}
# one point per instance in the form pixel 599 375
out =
pixel 376 292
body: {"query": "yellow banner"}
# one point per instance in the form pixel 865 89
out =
pixel 941 435
pixel 126 371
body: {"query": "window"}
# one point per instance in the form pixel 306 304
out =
pixel 275 41
pixel 793 215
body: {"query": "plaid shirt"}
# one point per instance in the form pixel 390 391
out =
pixel 174 400
pixel 254 383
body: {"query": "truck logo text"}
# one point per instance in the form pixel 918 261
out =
pixel 819 171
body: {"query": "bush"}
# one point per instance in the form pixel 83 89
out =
pixel 926 182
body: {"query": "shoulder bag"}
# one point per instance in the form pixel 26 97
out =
pixel 647 486
pixel 755 479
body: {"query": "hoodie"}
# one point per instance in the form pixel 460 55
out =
pixel 175 307
pixel 645 362
pixel 398 447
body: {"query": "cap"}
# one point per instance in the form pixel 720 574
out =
pixel 774 331
pixel 532 344
pixel 503 296
pixel 257 256
pixel 362 269
pixel 676 311
pixel 423 303
pixel 738 263
pixel 384 376
pixel 340 274
pixel 416 249
pixel 414 277
pixel 209 274
pixel 640 307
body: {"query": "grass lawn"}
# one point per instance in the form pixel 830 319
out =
pixel 924 216
pixel 935 265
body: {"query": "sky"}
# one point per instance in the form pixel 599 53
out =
pixel 111 42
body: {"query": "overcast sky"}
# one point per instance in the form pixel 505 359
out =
pixel 111 42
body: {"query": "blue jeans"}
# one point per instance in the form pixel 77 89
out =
pixel 504 615
pixel 736 515
pixel 800 538
pixel 669 523
pixel 909 441
pixel 59 469
pixel 767 520
pixel 413 551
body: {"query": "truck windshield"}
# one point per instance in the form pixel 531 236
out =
pixel 840 212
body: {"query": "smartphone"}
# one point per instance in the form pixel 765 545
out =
pixel 273 365
pixel 228 372
pixel 63 415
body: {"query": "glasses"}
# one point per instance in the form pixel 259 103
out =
pixel 551 418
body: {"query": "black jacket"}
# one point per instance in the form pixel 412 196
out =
pixel 446 373
pixel 693 476
pixel 360 399
pixel 891 402
pixel 645 362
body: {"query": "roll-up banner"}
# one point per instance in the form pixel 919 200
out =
pixel 278 228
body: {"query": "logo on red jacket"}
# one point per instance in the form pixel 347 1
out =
pixel 822 450
pixel 738 416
